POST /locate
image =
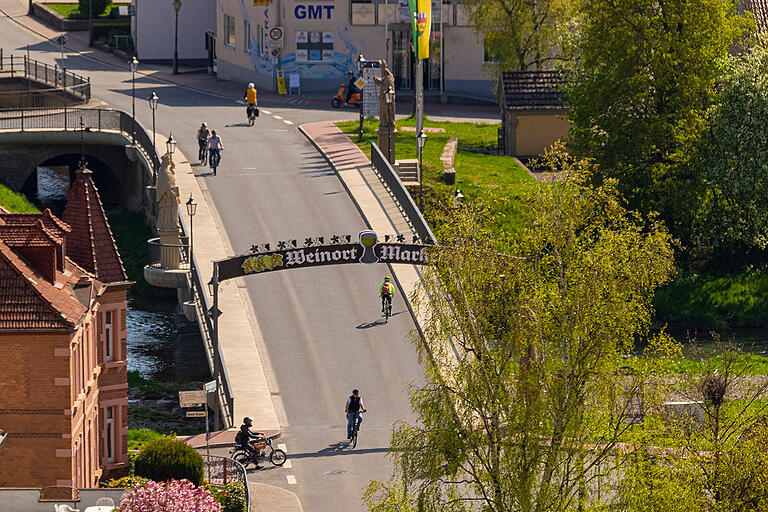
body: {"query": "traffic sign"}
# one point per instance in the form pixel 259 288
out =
pixel 360 83
pixel 191 398
pixel 210 387
pixel 196 414
pixel 274 52
pixel 275 37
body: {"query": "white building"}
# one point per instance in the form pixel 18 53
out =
pixel 321 40
pixel 154 30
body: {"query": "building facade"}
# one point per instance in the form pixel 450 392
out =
pixel 154 30
pixel 63 391
pixel 321 40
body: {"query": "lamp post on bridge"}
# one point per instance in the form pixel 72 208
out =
pixel 153 101
pixel 134 66
pixel 421 140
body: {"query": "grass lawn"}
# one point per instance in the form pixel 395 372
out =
pixel 73 10
pixel 496 180
pixel 15 203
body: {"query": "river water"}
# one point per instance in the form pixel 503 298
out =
pixel 162 344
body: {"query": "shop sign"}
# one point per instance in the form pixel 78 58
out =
pixel 314 46
pixel 313 11
pixel 367 250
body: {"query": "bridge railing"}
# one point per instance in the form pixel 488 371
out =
pixel 59 78
pixel 69 119
pixel 401 195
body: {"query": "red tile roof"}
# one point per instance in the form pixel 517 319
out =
pixel 90 243
pixel 760 9
pixel 532 90
pixel 29 235
pixel 50 221
pixel 29 301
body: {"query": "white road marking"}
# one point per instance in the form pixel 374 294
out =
pixel 277 116
pixel 282 447
pixel 291 479
pixel 287 464
pixel 287 121
pixel 266 111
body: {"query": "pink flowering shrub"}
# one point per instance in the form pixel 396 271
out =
pixel 171 496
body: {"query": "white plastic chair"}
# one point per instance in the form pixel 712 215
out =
pixel 65 508
pixel 105 501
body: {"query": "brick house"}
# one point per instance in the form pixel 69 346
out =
pixel 63 391
pixel 533 114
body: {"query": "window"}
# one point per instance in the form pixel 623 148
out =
pixel 229 30
pixel 260 39
pixel 247 36
pixel 110 431
pixel 108 336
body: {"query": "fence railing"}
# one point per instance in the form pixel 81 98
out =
pixel 93 119
pixel 401 195
pixel 159 254
pixel 59 78
pixel 219 470
pixel 225 396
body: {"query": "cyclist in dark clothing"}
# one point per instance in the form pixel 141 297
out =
pixel 353 409
pixel 350 87
pixel 245 435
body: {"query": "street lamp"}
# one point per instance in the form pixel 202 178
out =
pixel 389 98
pixel 153 101
pixel 191 210
pixel 360 62
pixel 134 66
pixel 90 23
pixel 176 7
pixel 170 146
pixel 421 139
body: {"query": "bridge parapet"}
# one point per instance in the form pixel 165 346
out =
pixel 53 79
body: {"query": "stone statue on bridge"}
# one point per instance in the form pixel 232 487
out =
pixel 387 130
pixel 168 214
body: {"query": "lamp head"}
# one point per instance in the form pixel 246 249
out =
pixel 170 145
pixel 153 101
pixel 134 64
pixel 421 139
pixel 176 5
pixel 191 206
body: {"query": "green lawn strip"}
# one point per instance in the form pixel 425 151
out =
pixel 14 202
pixel 73 10
pixel 498 181
pixel 756 365
pixel 139 436
pixel 149 388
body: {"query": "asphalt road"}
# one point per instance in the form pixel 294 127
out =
pixel 321 326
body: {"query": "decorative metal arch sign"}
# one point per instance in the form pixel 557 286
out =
pixel 314 254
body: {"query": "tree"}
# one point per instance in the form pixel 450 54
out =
pixel 733 213
pixel 521 34
pixel 643 77
pixel 523 339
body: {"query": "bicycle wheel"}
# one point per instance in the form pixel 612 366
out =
pixel 387 309
pixel 204 160
pixel 354 437
pixel 278 457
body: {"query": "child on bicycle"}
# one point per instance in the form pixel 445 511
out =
pixel 202 140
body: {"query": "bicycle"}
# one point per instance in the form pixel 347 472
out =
pixel 355 430
pixel 386 306
pixel 252 112
pixel 215 159
pixel 202 154
pixel 261 449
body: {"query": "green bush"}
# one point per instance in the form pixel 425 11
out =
pixel 138 437
pixel 126 482
pixel 165 459
pixel 230 496
pixel 99 6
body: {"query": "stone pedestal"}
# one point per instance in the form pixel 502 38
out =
pixel 387 142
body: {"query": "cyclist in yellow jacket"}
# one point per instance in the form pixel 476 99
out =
pixel 386 291
pixel 251 98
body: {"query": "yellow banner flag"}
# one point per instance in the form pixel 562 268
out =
pixel 421 13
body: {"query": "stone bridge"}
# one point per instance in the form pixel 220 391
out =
pixel 123 171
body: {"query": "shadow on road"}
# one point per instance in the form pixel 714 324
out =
pixel 370 324
pixel 340 448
